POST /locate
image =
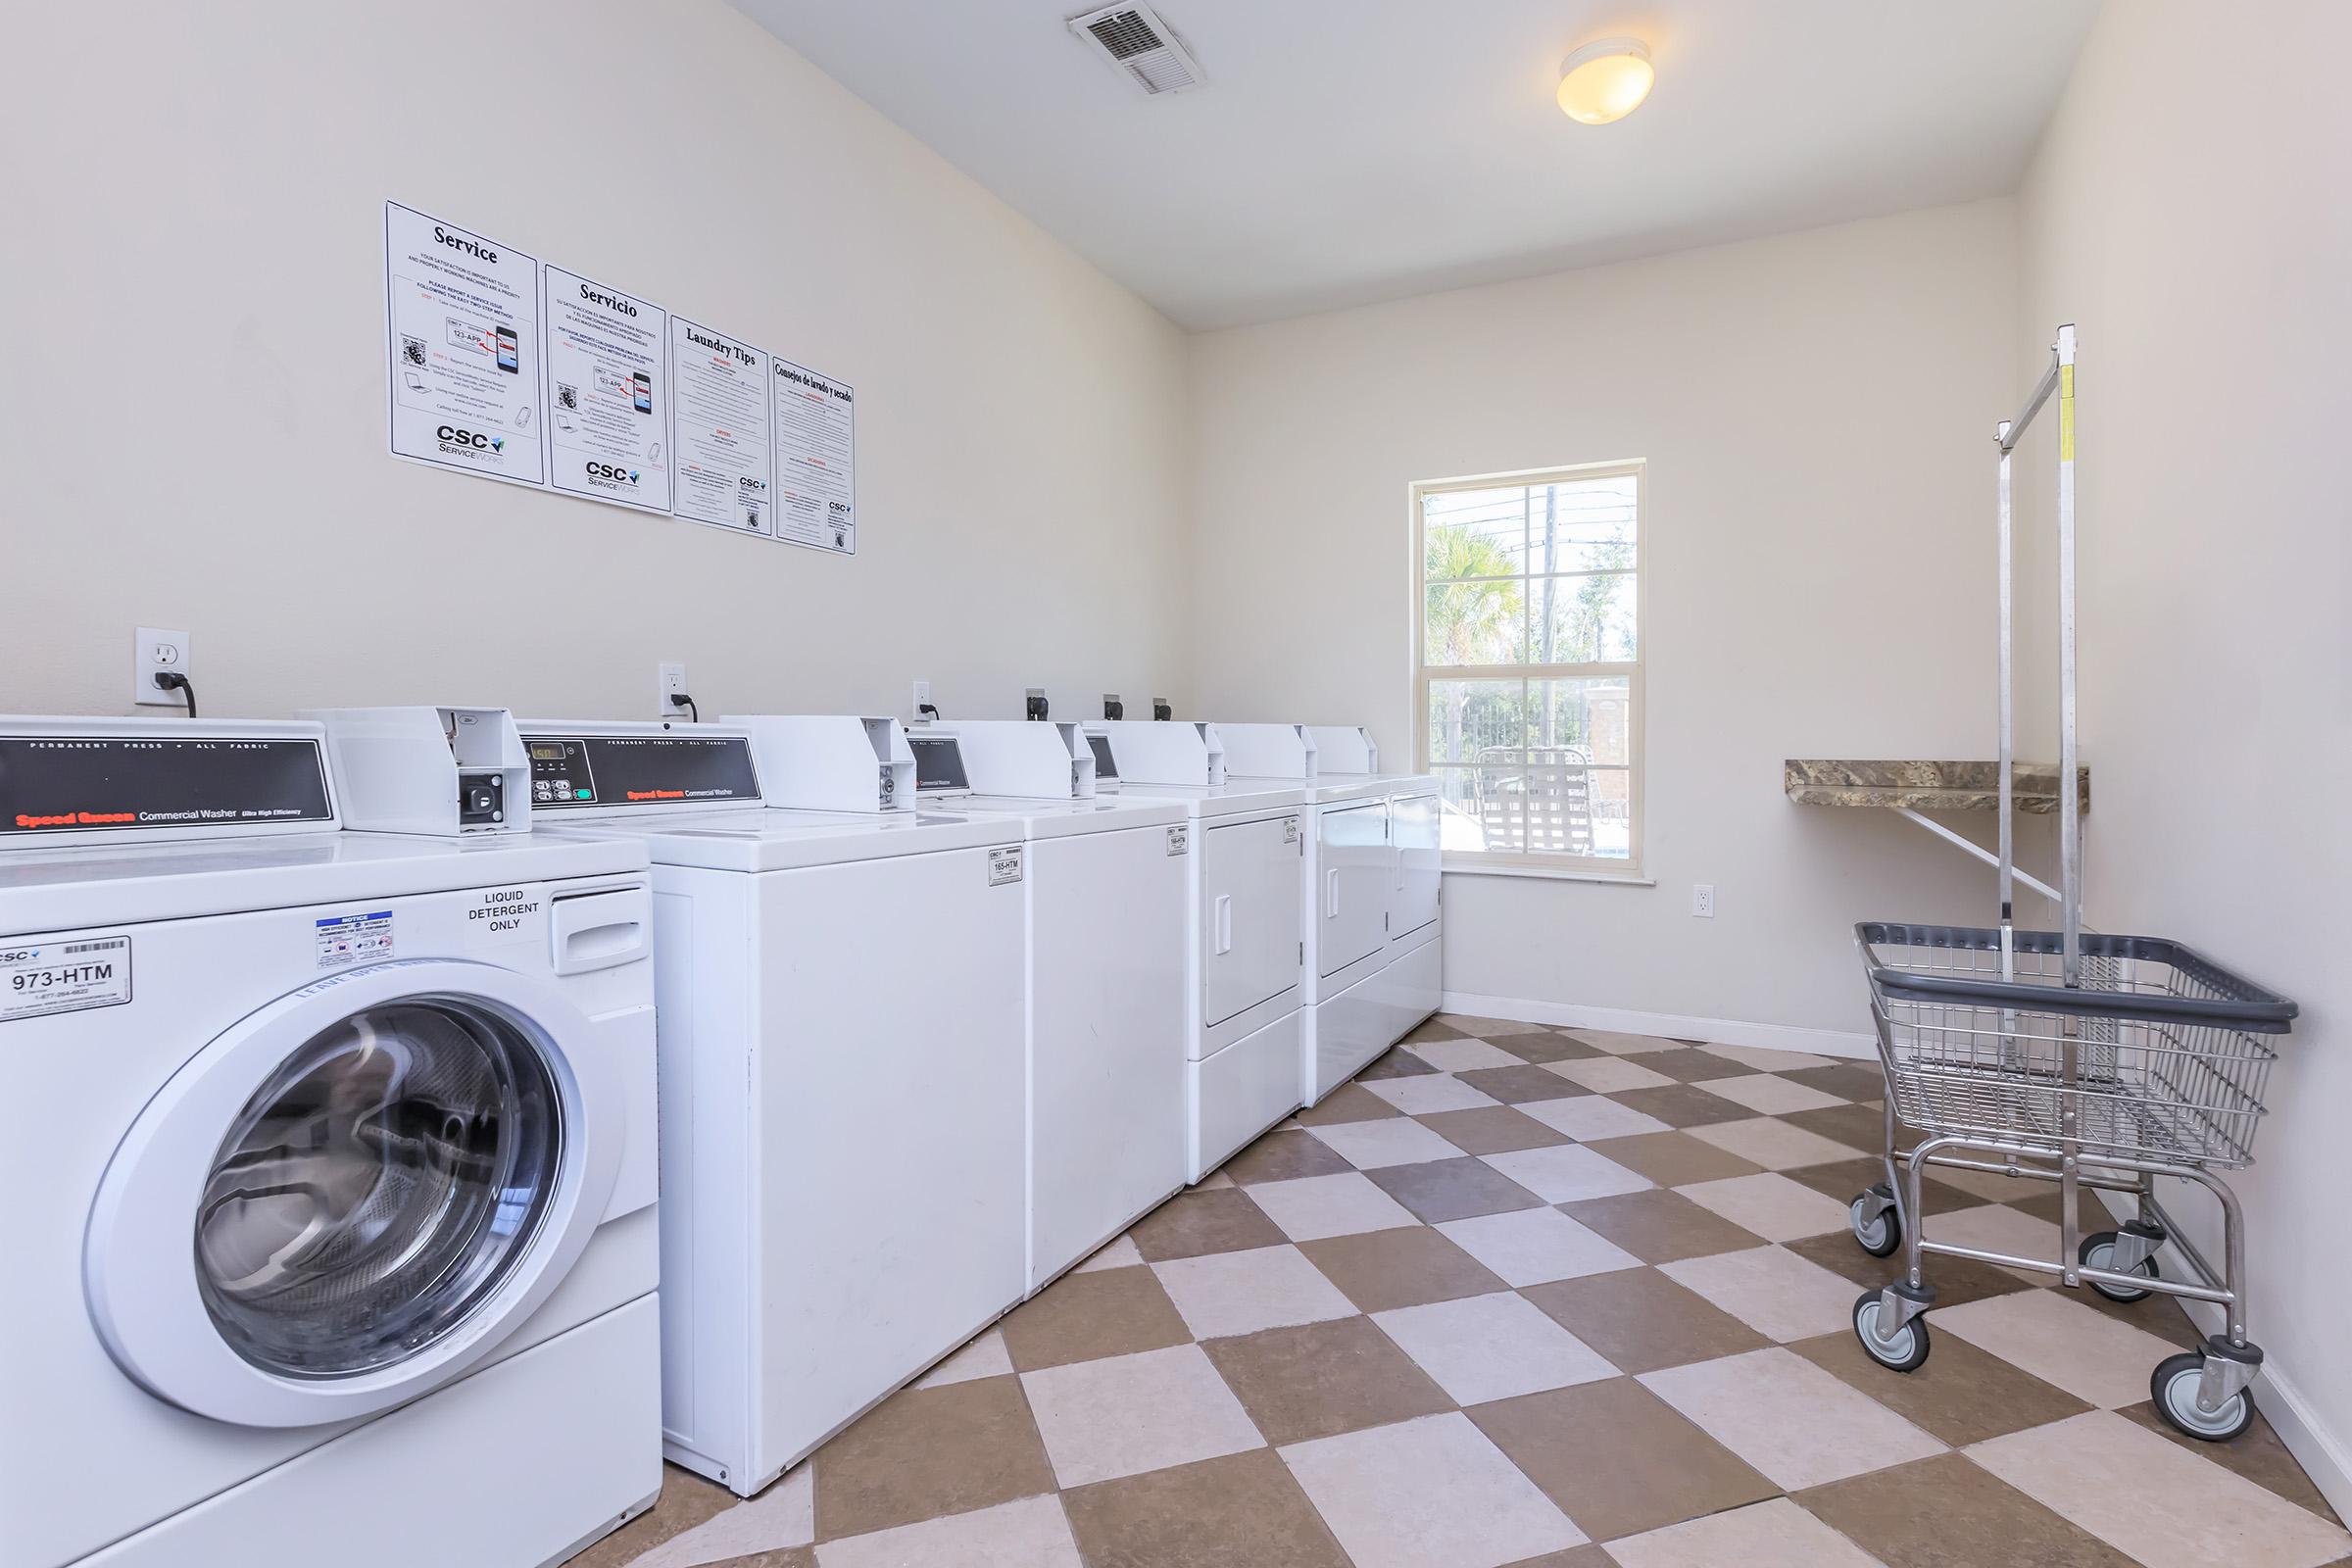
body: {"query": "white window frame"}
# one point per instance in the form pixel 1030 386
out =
pixel 1545 862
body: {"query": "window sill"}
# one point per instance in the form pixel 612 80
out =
pixel 1546 873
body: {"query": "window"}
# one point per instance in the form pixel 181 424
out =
pixel 1526 669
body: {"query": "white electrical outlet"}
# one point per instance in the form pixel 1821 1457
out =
pixel 1702 899
pixel 922 699
pixel 153 653
pixel 672 679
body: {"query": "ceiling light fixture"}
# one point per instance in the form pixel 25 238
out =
pixel 1605 80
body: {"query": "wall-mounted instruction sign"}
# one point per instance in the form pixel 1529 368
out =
pixel 462 317
pixel 607 392
pixel 816 460
pixel 719 430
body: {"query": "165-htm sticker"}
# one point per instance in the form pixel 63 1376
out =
pixel 44 977
pixel 1004 865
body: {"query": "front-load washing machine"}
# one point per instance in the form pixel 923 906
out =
pixel 331 1168
pixel 840 1059
pixel 1106 883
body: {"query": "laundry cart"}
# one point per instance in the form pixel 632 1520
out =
pixel 2096 1063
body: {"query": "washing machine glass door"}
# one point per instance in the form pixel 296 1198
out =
pixel 370 1183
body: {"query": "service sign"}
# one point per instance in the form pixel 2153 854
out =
pixel 44 976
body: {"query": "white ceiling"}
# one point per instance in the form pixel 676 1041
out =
pixel 1345 151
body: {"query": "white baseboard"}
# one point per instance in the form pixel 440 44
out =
pixel 1675 1025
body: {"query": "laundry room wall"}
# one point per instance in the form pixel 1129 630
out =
pixel 2186 211
pixel 1816 413
pixel 195 386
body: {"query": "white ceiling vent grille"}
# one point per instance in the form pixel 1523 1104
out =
pixel 1145 48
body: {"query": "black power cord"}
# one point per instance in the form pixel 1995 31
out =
pixel 173 680
pixel 685 701
pixel 923 710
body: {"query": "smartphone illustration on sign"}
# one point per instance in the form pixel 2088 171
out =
pixel 645 392
pixel 510 351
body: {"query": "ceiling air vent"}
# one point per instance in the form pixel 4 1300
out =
pixel 1145 48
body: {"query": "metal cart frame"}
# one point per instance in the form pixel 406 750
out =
pixel 2012 1070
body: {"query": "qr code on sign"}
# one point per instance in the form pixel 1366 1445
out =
pixel 412 349
pixel 568 395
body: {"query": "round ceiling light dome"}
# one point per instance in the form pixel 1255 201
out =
pixel 1606 81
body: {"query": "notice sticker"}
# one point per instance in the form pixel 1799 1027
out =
pixel 1004 865
pixel 348 939
pixel 45 977
pixel 1180 839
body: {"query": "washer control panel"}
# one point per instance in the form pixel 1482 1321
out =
pixel 572 772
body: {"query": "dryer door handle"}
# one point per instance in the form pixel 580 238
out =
pixel 1224 922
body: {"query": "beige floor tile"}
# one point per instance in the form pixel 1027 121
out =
pixel 1944 1512
pixel 1623 1044
pixel 1489 1028
pixel 1241 1293
pixel 1121 1254
pixel 1461 1056
pixel 1366 1145
pixel 2060 1341
pixel 1080 1317
pixel 1789 1418
pixel 1567 1173
pixel 1766 1094
pixel 2256 1453
pixel 1242 1508
pixel 1770 1204
pixel 1773 1144
pixel 1032 1533
pixel 2165 1506
pixel 1961 1394
pixel 1765 1534
pixel 1763 1059
pixel 1407 1267
pixel 1492 1347
pixel 983 1357
pixel 1660 1226
pixel 1428 1493
pixel 1534 1245
pixel 1282 1156
pixel 1418 1096
pixel 784 1515
pixel 929 1452
pixel 1609 1075
pixel 1617 1458
pixel 1496 1130
pixel 1316 1206
pixel 1771 1290
pixel 1130 1413
pixel 1593 1117
pixel 1324 1377
pixel 1642 1320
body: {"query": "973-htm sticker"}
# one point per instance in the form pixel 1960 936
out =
pixel 44 977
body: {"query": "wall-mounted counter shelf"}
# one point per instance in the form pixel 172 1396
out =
pixel 1910 787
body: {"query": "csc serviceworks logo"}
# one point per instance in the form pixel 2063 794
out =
pixel 607 475
pixel 464 442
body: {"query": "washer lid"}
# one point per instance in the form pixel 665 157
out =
pixel 352 1195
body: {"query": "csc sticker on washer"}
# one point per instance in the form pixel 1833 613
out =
pixel 1004 865
pixel 1180 839
pixel 1290 830
pixel 45 977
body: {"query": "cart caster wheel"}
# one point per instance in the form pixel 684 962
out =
pixel 2174 1386
pixel 1880 1236
pixel 2094 1254
pixel 1906 1351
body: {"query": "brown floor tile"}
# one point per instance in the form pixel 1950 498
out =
pixel 780 1557
pixel 1452 1189
pixel 1190 1224
pixel 1396 1064
pixel 1960 1393
pixel 1515 1086
pixel 1545 1047
pixel 1688 1065
pixel 1084 1317
pixel 1674 1159
pixel 1682 1105
pixel 1283 1156
pixel 1491 1130
pixel 1433 1029
pixel 1642 1321
pixel 1958 1280
pixel 1324 1377
pixel 1946 1512
pixel 1493 1028
pixel 686 1500
pixel 1383 1269
pixel 926 1452
pixel 1844 1180
pixel 2048 1202
pixel 1660 1227
pixel 2255 1453
pixel 1617 1458
pixel 1573 1557
pixel 1854 1126
pixel 1244 1509
pixel 1847 1080
pixel 1347 1103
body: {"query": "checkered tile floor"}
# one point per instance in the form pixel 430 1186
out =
pixel 1526 1296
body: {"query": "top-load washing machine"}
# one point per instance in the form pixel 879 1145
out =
pixel 1246 944
pixel 1374 950
pixel 331 1168
pixel 1105 881
pixel 842 1047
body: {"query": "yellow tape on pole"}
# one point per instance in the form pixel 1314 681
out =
pixel 2066 413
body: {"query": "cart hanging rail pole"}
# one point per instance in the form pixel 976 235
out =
pixel 2000 436
pixel 2015 429
pixel 2069 833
